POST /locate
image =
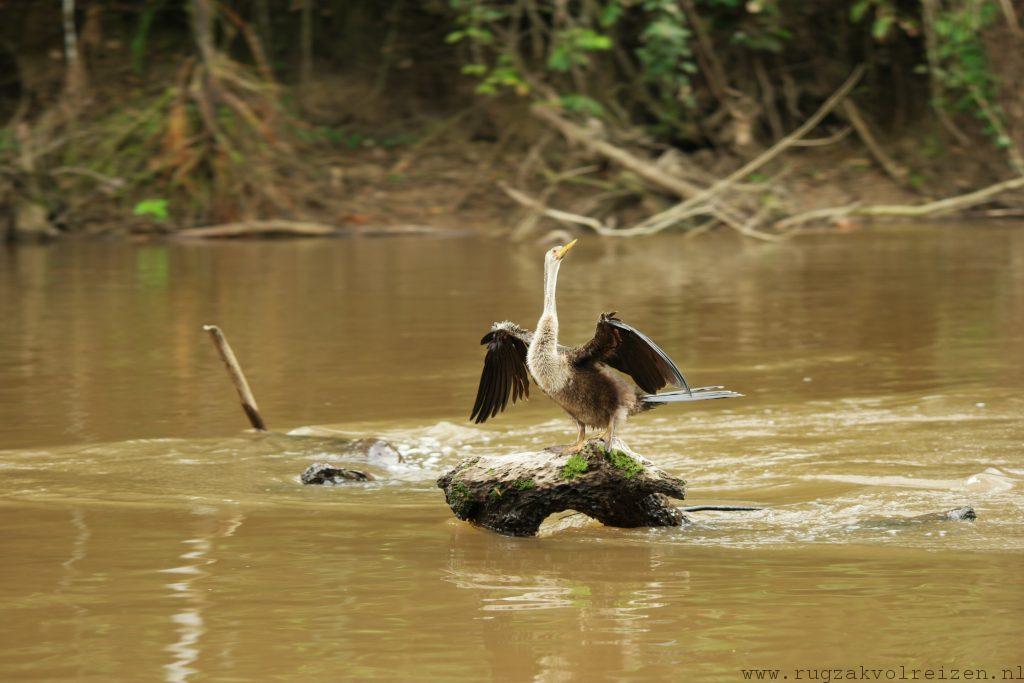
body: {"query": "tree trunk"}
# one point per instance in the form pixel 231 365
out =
pixel 265 30
pixel 306 43
pixel 513 494
pixel 202 27
pixel 75 82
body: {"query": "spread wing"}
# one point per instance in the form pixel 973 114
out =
pixel 505 374
pixel 632 352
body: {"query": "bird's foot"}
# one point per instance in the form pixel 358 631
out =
pixel 572 449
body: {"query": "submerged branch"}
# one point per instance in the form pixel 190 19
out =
pixel 252 411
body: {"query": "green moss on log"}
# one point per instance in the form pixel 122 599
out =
pixel 460 498
pixel 575 466
pixel 629 466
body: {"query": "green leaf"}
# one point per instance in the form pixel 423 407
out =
pixel 610 14
pixel 560 59
pixel 480 35
pixel 582 104
pixel 859 9
pixel 156 208
pixel 880 28
pixel 591 40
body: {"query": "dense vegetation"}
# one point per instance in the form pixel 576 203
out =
pixel 171 113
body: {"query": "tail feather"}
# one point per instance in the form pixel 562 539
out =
pixel 701 394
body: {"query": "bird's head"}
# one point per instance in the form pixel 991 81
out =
pixel 555 255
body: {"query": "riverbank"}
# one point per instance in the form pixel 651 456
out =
pixel 367 182
pixel 196 125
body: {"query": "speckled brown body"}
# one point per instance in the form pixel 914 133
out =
pixel 594 396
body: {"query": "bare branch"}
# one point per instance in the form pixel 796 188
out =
pixel 252 411
pixel 630 162
pixel 888 164
pixel 942 206
pixel 939 207
pixel 822 142
pixel 555 214
pixel 672 216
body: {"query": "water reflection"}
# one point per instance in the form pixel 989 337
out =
pixel 522 575
pixel 189 621
pixel 883 380
pixel 337 321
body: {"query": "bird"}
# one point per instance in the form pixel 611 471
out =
pixel 581 379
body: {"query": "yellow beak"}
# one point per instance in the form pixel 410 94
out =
pixel 565 250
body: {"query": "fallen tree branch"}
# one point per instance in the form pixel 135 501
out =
pixel 237 378
pixel 555 214
pixel 673 215
pixel 264 227
pixel 749 227
pixel 627 160
pixel 822 142
pixel 275 227
pixel 831 212
pixel 888 164
pixel 940 207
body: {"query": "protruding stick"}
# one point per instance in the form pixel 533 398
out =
pixel 237 378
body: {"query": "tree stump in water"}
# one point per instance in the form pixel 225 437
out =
pixel 513 494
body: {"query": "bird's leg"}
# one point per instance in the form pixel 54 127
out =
pixel 581 440
pixel 609 435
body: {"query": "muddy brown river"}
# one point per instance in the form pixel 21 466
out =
pixel 146 535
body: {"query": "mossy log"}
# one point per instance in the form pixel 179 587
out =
pixel 513 494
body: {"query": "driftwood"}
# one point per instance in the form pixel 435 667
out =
pixel 286 228
pixel 261 228
pixel 513 494
pixel 941 207
pixel 237 377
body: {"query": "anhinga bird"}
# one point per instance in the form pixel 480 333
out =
pixel 580 379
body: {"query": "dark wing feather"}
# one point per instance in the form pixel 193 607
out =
pixel 504 376
pixel 632 352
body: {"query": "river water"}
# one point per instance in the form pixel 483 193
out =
pixel 146 535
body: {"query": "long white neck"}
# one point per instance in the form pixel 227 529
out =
pixel 547 367
pixel 550 284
